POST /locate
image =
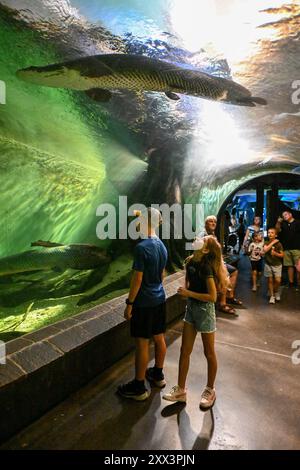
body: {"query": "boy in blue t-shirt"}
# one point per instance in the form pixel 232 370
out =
pixel 146 308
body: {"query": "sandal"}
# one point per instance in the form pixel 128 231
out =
pixel 227 309
pixel 234 301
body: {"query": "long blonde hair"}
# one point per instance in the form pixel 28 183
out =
pixel 212 255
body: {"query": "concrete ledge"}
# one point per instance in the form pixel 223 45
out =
pixel 45 366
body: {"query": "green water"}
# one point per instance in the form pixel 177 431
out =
pixel 61 155
pixel 55 169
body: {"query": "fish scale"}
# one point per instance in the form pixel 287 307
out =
pixel 131 81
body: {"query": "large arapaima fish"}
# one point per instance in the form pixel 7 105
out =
pixel 99 75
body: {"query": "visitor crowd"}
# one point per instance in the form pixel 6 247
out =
pixel 209 281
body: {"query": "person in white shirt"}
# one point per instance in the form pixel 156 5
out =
pixel 255 227
pixel 256 252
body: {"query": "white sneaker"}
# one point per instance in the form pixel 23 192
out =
pixel 277 296
pixel 254 289
pixel 175 394
pixel 272 300
pixel 208 398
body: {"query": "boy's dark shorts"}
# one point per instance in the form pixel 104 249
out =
pixel 257 265
pixel 148 321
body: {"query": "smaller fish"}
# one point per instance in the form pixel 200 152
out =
pixel 54 256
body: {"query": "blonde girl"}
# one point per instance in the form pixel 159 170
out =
pixel 205 275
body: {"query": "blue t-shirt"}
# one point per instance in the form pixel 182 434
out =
pixel 150 257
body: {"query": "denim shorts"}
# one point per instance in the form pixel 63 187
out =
pixel 201 315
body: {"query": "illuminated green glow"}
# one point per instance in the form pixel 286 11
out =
pixel 55 171
pixel 62 155
pixel 52 170
pixel 36 300
pixel 55 168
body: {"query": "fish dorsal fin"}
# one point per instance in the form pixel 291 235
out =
pixel 258 100
pixel 172 96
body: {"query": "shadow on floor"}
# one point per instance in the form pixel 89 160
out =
pixel 201 441
pixel 205 436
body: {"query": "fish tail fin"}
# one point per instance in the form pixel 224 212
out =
pixel 251 100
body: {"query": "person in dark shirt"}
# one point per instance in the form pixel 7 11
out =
pixel 241 231
pixel 289 236
pixel 227 225
pixel 146 307
pixel 205 273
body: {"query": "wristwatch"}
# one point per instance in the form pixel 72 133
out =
pixel 128 302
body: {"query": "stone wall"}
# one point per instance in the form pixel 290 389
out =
pixel 44 367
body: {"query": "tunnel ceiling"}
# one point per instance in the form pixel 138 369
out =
pixel 198 148
pixel 280 180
